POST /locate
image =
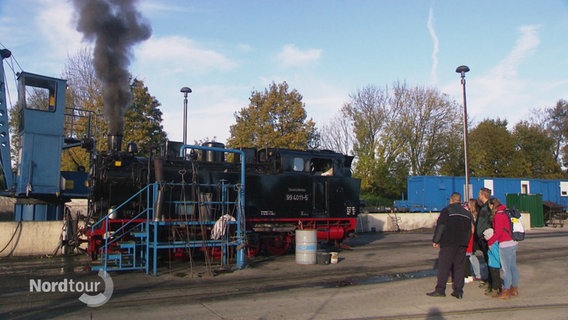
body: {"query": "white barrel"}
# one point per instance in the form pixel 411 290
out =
pixel 306 246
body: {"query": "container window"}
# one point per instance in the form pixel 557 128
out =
pixel 564 188
pixel 489 185
pixel 525 187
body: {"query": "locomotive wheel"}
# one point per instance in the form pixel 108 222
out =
pixel 94 247
pixel 254 246
pixel 215 253
pixel 94 255
pixel 252 252
pixel 277 244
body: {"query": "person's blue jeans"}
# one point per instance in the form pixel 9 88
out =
pixel 475 267
pixel 508 257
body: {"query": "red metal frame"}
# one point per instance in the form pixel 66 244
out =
pixel 277 243
pixel 329 229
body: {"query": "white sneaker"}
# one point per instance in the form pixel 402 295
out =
pixel 468 279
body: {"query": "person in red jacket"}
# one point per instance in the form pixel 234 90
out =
pixel 507 249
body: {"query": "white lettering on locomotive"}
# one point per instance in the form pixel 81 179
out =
pixel 350 211
pixel 297 197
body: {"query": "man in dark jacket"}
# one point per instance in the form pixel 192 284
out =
pixel 453 231
pixel 483 223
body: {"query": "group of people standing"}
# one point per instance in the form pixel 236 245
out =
pixel 462 229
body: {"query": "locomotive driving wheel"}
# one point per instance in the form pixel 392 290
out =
pixel 254 245
pixel 277 244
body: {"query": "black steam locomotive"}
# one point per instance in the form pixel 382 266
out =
pixel 285 190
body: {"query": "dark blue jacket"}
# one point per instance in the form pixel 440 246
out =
pixel 453 227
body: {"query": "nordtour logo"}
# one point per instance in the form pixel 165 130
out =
pixel 87 288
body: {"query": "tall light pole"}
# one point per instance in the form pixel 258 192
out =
pixel 186 91
pixel 462 70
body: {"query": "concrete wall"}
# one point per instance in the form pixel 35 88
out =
pixel 32 238
pixel 36 238
pixel 386 222
pixel 29 238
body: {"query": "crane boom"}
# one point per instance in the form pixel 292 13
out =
pixel 6 175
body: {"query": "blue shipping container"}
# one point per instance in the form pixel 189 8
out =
pixel 432 193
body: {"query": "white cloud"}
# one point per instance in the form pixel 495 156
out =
pixel 525 47
pixel 149 7
pixel 54 20
pixel 178 54
pixel 500 92
pixel 435 43
pixel 292 56
pixel 501 88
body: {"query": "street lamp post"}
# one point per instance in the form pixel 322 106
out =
pixel 186 91
pixel 462 70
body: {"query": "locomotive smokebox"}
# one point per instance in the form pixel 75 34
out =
pixel 115 143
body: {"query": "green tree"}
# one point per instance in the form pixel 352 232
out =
pixel 453 162
pixel 537 151
pixel 371 117
pixel 493 152
pixel 556 123
pixel 274 118
pixel 143 123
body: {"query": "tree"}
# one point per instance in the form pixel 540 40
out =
pixel 369 113
pixel 14 124
pixel 400 131
pixel 493 152
pixel 556 123
pixel 537 150
pixel 84 108
pixel 143 123
pixel 428 123
pixel 83 104
pixel 338 134
pixel 274 118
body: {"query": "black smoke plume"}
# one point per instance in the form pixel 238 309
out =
pixel 115 26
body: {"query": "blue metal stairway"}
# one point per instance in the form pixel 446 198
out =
pixel 133 244
pixel 126 247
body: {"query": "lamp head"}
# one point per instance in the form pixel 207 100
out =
pixel 462 70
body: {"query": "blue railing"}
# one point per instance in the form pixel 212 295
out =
pixel 110 238
pixel 150 222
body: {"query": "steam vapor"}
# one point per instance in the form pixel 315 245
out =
pixel 115 26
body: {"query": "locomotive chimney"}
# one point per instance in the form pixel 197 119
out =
pixel 115 143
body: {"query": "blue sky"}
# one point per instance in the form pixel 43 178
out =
pixel 516 50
